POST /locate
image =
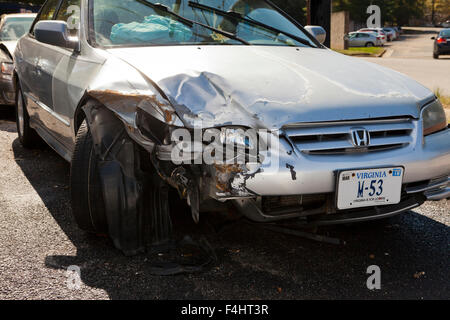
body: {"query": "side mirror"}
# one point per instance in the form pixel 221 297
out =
pixel 318 32
pixel 56 33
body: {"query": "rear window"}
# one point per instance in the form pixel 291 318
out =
pixel 445 33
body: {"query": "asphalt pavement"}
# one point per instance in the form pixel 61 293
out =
pixel 39 241
pixel 413 55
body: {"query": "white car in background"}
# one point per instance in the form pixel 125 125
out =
pixel 12 28
pixel 381 35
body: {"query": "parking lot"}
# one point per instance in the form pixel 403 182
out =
pixel 39 241
pixel 413 56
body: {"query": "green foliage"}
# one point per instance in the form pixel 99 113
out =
pixel 392 11
pixel 295 8
pixel 38 2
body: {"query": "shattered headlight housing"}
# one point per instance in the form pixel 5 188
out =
pixel 238 137
pixel 434 118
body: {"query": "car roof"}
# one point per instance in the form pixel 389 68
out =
pixel 372 33
pixel 371 29
pixel 18 15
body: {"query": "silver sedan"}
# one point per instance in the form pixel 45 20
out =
pixel 363 39
pixel 228 104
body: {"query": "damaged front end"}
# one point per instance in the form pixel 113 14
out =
pixel 143 147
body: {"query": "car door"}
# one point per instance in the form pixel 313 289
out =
pixel 366 39
pixel 359 40
pixel 28 65
pixel 56 65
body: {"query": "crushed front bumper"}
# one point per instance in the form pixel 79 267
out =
pixel 301 174
pixel 426 177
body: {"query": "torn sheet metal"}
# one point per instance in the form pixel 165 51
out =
pixel 127 103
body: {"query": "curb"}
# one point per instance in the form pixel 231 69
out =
pixel 387 53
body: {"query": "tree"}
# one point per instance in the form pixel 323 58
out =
pixel 295 8
pixel 392 11
pixel 439 10
pixel 36 2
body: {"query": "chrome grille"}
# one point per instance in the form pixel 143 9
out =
pixel 336 137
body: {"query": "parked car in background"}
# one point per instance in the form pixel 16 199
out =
pixel 390 33
pixel 398 30
pixel 12 27
pixel 445 24
pixel 363 39
pixel 381 35
pixel 441 44
pixel 226 103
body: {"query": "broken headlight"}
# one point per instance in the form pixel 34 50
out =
pixel 238 137
pixel 434 118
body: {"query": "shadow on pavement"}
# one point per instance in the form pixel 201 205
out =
pixel 8 118
pixel 254 263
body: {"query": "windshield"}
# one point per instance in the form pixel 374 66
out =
pixel 199 22
pixel 15 28
pixel 445 33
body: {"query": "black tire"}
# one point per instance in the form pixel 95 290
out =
pixel 88 207
pixel 370 44
pixel 435 56
pixel 27 136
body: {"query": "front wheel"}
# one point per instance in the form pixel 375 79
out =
pixel 86 190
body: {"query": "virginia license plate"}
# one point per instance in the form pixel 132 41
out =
pixel 369 187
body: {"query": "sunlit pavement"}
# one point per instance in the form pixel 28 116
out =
pixel 413 56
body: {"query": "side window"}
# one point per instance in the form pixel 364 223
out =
pixel 70 13
pixel 47 12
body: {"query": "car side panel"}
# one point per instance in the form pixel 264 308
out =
pixel 26 60
pixel 70 80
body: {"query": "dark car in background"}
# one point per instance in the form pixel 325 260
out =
pixel 441 44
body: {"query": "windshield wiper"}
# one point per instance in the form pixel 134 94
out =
pixel 238 16
pixel 191 23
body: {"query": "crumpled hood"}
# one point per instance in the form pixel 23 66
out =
pixel 10 46
pixel 274 86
